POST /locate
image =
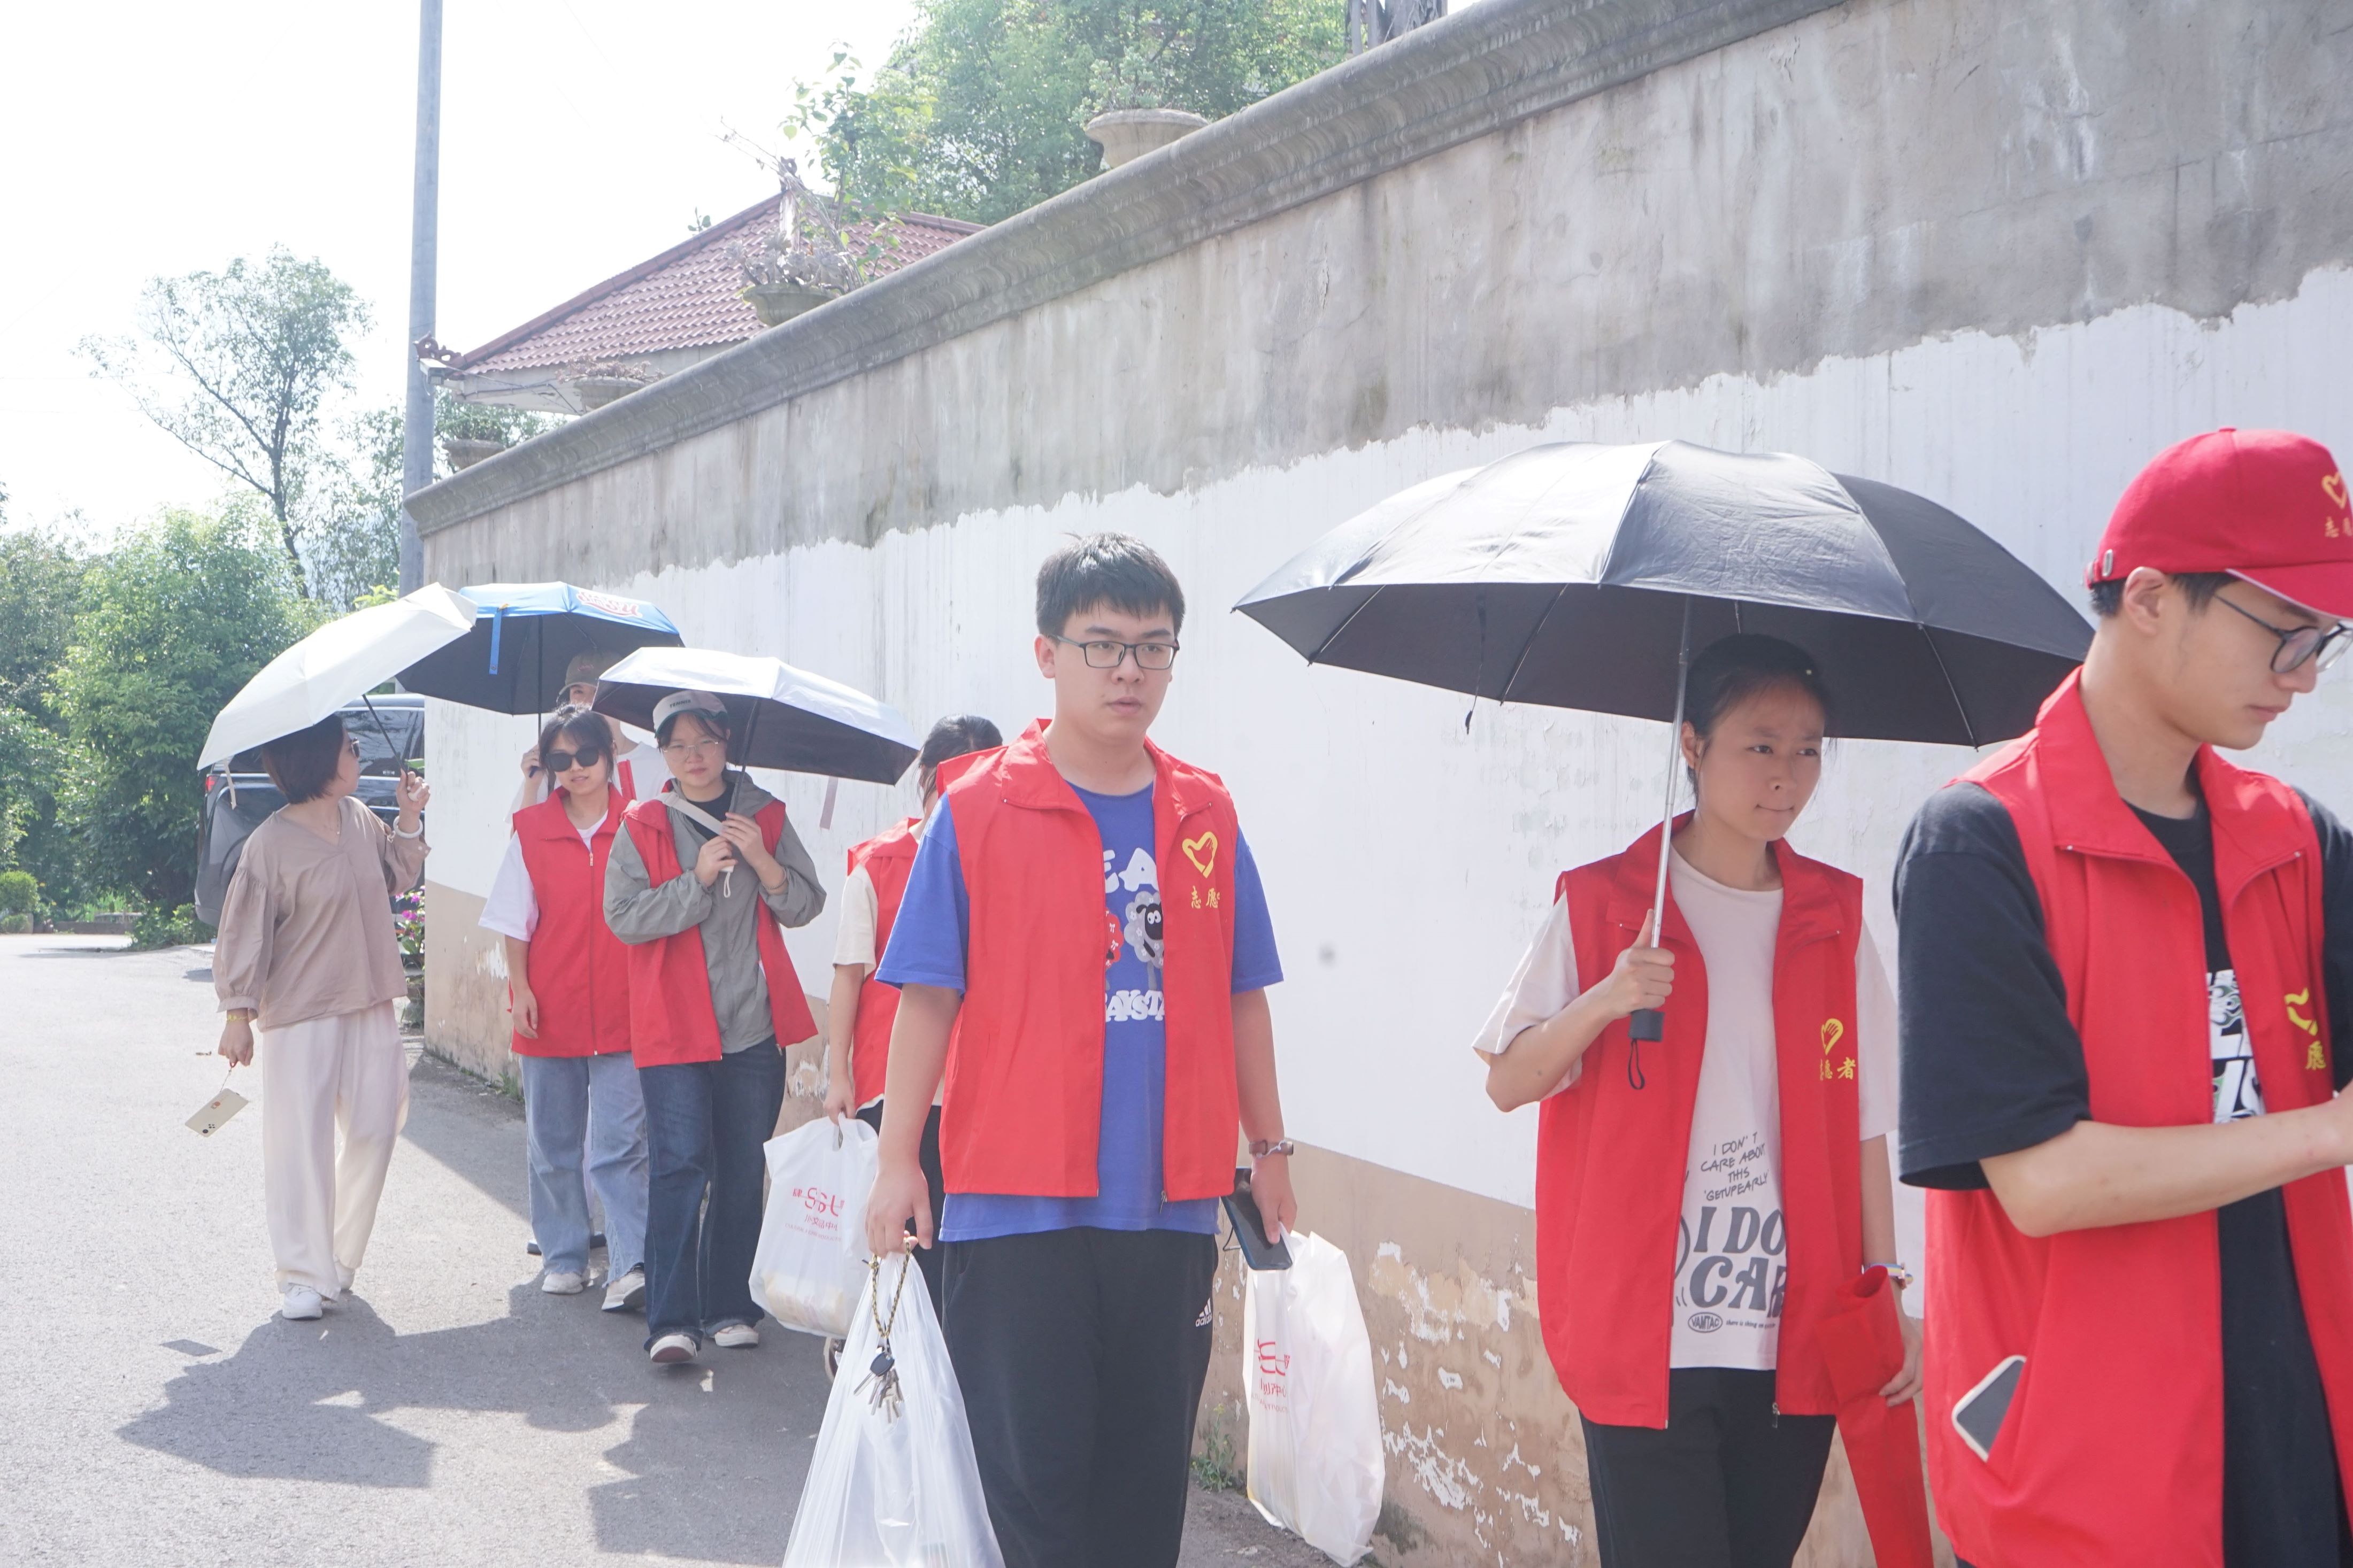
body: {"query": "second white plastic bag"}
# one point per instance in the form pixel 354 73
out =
pixel 1315 1462
pixel 893 1483
pixel 811 1261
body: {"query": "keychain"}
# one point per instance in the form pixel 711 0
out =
pixel 882 1373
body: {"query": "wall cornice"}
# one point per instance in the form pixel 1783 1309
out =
pixel 1470 75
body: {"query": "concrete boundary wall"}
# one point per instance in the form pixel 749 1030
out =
pixel 1996 253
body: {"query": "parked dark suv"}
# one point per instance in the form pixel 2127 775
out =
pixel 240 797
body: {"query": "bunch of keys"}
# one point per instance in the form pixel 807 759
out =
pixel 882 1373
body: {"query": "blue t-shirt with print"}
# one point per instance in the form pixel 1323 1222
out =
pixel 928 943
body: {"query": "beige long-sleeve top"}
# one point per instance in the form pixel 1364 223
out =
pixel 306 931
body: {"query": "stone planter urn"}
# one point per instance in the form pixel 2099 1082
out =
pixel 1127 135
pixel 596 391
pixel 776 303
pixel 466 451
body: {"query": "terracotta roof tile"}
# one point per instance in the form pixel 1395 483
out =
pixel 685 298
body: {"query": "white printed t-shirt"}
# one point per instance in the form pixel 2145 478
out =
pixel 1729 1252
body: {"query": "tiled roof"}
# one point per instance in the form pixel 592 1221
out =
pixel 686 298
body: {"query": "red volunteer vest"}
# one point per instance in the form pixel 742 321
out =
pixel 2112 1449
pixel 580 969
pixel 1024 1093
pixel 1610 1158
pixel 671 1019
pixel 888 857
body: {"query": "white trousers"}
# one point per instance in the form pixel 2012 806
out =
pixel 342 1074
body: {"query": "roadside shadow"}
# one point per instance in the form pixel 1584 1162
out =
pixel 715 1452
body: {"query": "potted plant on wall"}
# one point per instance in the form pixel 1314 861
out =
pixel 1132 116
pixel 813 255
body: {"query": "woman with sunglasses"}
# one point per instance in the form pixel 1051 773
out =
pixel 306 955
pixel 704 880
pixel 568 988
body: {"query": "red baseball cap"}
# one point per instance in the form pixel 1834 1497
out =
pixel 2268 506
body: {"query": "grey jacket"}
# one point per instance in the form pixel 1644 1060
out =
pixel 638 911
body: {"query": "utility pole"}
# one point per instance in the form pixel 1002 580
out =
pixel 423 243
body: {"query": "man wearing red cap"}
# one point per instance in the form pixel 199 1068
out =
pixel 2126 963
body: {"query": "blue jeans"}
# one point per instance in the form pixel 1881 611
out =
pixel 705 1125
pixel 586 1106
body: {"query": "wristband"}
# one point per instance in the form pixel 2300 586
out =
pixel 1897 1275
pixel 1260 1148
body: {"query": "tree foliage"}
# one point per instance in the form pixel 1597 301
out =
pixel 979 112
pixel 238 366
pixel 351 548
pixel 174 618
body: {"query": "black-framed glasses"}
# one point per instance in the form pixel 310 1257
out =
pixel 1106 654
pixel 565 761
pixel 2299 645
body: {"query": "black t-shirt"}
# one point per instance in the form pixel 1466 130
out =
pixel 1991 1065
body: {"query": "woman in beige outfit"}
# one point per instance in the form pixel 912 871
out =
pixel 307 954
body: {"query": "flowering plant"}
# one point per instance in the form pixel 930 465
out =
pixel 409 925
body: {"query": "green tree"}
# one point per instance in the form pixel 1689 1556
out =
pixel 173 620
pixel 41 573
pixel 980 110
pixel 354 548
pixel 238 366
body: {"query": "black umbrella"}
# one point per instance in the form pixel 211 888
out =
pixel 525 638
pixel 781 717
pixel 1580 576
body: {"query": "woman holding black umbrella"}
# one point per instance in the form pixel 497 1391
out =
pixel 568 985
pixel 1766 1107
pixel 703 878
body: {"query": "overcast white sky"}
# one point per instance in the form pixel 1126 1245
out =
pixel 577 137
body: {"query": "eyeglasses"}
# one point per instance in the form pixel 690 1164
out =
pixel 352 748
pixel 2299 645
pixel 565 761
pixel 1108 655
pixel 693 748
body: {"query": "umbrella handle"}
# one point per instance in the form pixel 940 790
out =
pixel 1650 1022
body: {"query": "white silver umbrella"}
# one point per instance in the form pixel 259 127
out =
pixel 346 658
pixel 781 716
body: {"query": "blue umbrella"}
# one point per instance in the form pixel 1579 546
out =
pixel 524 636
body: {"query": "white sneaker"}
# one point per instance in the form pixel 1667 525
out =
pixel 671 1348
pixel 299 1303
pixel 736 1337
pixel 565 1283
pixel 627 1293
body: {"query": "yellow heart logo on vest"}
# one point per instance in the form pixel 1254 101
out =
pixel 1202 852
pixel 2334 486
pixel 2303 998
pixel 1832 1033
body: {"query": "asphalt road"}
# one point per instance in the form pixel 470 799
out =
pixel 154 1412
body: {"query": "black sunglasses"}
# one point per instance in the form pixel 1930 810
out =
pixel 563 762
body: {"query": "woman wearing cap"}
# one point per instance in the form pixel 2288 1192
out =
pixel 637 768
pixel 703 877
pixel 568 983
pixel 1749 1146
pixel 306 955
pixel 861 1009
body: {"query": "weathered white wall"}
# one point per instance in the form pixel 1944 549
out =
pixel 1408 859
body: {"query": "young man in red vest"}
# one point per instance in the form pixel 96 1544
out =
pixel 861 1009
pixel 2125 966
pixel 1082 950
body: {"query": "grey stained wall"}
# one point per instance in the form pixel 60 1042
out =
pixel 1867 176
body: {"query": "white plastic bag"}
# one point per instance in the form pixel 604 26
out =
pixel 1315 1463
pixel 893 1489
pixel 811 1262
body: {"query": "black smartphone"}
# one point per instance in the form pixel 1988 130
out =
pixel 1250 1230
pixel 1978 1415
